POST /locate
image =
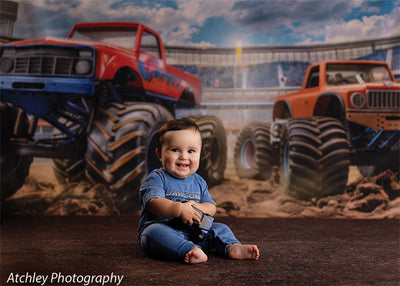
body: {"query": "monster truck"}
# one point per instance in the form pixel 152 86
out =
pixel 346 113
pixel 106 89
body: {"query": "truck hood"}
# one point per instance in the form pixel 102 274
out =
pixel 383 85
pixel 70 42
pixel 371 85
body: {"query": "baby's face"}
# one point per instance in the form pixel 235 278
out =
pixel 180 152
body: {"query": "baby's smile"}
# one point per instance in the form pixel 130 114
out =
pixel 182 165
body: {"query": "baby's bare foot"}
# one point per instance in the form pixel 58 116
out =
pixel 196 255
pixel 239 251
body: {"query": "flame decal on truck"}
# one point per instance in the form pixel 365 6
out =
pixel 149 76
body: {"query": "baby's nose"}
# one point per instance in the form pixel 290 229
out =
pixel 183 155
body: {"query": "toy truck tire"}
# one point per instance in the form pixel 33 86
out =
pixel 121 145
pixel 14 168
pixel 315 158
pixel 254 156
pixel 214 150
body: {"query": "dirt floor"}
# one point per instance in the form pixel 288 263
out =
pixel 295 251
pixel 75 231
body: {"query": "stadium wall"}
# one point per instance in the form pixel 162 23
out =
pixel 276 66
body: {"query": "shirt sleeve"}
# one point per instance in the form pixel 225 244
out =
pixel 205 195
pixel 152 187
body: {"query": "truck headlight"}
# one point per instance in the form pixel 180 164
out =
pixel 6 65
pixel 357 99
pixel 83 67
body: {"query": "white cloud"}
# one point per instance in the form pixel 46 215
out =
pixel 175 26
pixel 239 39
pixel 299 21
pixel 375 26
pixel 303 21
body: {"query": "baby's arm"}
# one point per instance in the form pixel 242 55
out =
pixel 207 208
pixel 167 208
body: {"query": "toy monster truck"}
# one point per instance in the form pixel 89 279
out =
pixel 347 112
pixel 106 90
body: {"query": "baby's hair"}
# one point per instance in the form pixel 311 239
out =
pixel 175 125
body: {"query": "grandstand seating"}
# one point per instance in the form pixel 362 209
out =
pixel 379 55
pixel 268 75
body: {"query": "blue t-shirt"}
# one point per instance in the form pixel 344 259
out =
pixel 160 184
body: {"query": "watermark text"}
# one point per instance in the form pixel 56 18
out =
pixel 61 278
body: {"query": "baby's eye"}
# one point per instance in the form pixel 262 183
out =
pixel 174 150
pixel 191 151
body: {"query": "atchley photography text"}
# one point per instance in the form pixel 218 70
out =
pixel 66 279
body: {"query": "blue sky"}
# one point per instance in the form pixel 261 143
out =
pixel 223 23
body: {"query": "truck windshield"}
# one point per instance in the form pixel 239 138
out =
pixel 124 37
pixel 353 73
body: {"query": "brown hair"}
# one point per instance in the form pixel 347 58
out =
pixel 175 125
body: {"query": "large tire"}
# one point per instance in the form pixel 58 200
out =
pixel 214 150
pixel 121 148
pixel 14 168
pixel 69 170
pixel 315 158
pixel 387 146
pixel 254 156
pixel 373 170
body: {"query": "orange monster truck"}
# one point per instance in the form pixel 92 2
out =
pixel 346 113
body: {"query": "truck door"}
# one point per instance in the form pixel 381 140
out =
pixel 303 104
pixel 152 67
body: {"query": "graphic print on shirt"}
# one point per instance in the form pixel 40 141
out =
pixel 175 195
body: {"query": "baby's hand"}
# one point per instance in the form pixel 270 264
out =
pixel 188 213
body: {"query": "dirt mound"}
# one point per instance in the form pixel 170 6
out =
pixel 42 195
pixel 376 197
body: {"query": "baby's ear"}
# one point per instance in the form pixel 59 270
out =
pixel 158 153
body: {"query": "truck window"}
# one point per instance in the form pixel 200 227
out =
pixel 354 73
pixel 150 44
pixel 313 79
pixel 124 37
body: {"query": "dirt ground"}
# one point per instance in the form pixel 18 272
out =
pixel 75 229
pixel 293 251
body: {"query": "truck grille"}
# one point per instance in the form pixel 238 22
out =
pixel 383 98
pixel 47 60
pixel 44 65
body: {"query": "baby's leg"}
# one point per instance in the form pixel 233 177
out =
pixel 239 251
pixel 164 242
pixel 196 255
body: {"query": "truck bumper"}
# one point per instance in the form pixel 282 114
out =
pixel 382 120
pixel 40 95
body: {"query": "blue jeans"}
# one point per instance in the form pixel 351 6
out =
pixel 162 241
